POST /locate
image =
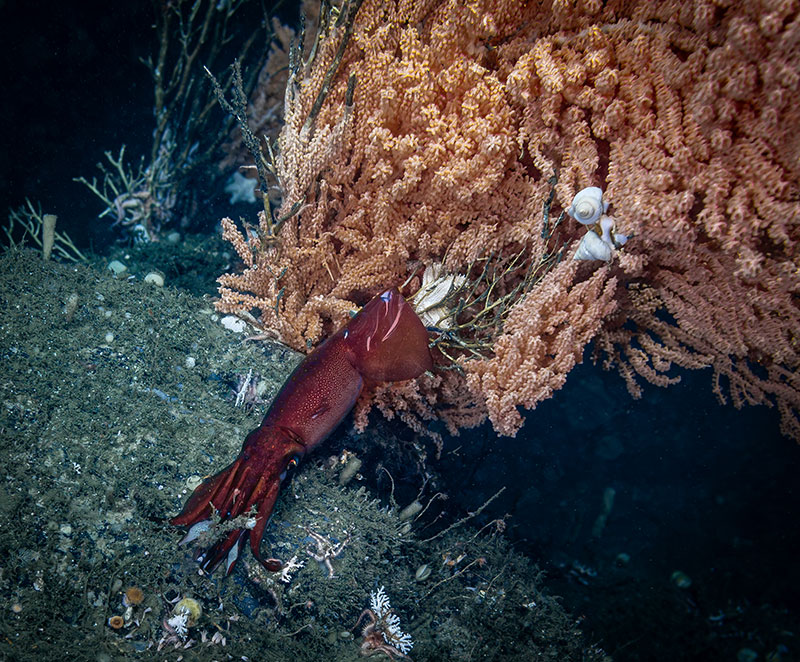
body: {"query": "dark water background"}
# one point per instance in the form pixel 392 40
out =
pixel 699 488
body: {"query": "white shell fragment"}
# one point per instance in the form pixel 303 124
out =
pixel 593 247
pixel 602 246
pixel 430 301
pixel 155 278
pixel 233 554
pixel 233 323
pixel 607 224
pixel 587 206
pixel 117 268
pixel 423 572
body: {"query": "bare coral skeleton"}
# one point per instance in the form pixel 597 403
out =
pixel 382 633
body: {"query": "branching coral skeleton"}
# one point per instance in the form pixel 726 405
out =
pixel 382 633
pixel 289 567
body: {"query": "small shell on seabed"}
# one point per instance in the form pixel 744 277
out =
pixel 588 206
pixel 192 608
pixel 423 572
pixel 155 278
pixel 117 268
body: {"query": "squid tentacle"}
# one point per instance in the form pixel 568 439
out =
pixel 384 342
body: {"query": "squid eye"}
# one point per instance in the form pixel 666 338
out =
pixel 290 466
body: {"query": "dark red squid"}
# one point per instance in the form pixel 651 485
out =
pixel 384 342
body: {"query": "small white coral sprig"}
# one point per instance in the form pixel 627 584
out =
pixel 289 567
pixel 379 602
pixel 185 614
pixel 179 623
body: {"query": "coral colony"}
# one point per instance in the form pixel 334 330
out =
pixel 178 622
pixel 685 127
pixel 382 632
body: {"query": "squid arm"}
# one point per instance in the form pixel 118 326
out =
pixel 384 342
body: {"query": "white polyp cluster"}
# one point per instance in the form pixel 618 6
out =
pixel 179 622
pixel 392 634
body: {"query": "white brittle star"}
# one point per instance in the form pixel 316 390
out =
pixel 326 550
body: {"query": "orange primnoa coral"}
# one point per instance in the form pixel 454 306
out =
pixel 684 113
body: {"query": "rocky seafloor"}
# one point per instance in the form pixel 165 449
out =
pixel 115 400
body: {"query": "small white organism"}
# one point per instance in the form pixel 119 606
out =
pixel 241 188
pixel 179 622
pixel 291 565
pixel 588 206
